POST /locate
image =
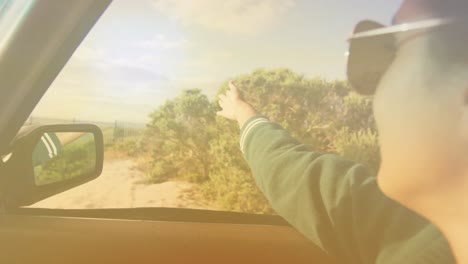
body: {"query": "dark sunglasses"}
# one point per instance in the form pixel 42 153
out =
pixel 372 49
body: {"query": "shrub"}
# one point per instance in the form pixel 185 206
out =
pixel 130 146
pixel 185 140
pixel 76 160
pixel 178 137
pixel 234 190
pixel 361 146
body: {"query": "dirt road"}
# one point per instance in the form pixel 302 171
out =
pixel 120 186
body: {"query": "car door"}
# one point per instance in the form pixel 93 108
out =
pixel 170 236
pixel 40 40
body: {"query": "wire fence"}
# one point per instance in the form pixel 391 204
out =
pixel 112 131
pixel 126 129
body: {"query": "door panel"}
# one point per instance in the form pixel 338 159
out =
pixel 46 239
pixel 157 214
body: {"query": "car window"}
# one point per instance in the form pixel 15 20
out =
pixel 149 74
pixel 11 13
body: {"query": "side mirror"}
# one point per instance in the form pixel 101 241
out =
pixel 47 160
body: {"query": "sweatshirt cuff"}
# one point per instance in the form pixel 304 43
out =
pixel 247 128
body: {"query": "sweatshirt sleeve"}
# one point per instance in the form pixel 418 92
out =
pixel 332 201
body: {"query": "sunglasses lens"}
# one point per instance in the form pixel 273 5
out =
pixel 369 58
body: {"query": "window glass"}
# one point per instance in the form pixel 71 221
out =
pixel 149 74
pixel 11 14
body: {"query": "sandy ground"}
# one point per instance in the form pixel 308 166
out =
pixel 119 186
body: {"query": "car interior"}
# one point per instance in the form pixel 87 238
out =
pixel 126 235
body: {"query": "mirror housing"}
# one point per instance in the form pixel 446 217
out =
pixel 18 179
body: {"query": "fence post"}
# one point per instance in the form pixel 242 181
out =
pixel 115 131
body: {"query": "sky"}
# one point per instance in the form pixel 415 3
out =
pixel 142 53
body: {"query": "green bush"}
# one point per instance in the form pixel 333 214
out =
pixel 361 146
pixel 184 139
pixel 161 171
pixel 75 160
pixel 130 146
pixel 231 185
pixel 234 190
pixel 178 138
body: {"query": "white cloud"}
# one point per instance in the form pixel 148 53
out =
pixel 160 43
pixel 209 60
pixel 232 16
pixel 84 53
pixel 100 66
pixel 140 69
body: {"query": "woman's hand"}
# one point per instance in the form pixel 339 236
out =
pixel 234 107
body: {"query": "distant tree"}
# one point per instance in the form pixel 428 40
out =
pixel 178 137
